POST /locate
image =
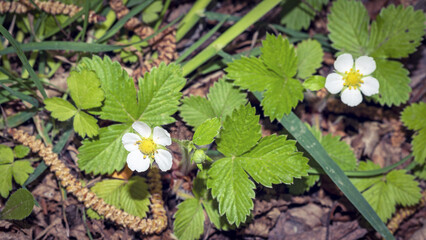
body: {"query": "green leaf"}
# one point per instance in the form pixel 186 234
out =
pixel 274 160
pixel 309 58
pixel 232 188
pixel 157 100
pixel 106 154
pixel 207 131
pixel 159 94
pixel 93 214
pixel 348 26
pixel 118 87
pixel 18 206
pixel 150 14
pixel 298 15
pixel 85 89
pixel 212 210
pixel 225 97
pixel 413 116
pixel 314 83
pixel 304 184
pixel 281 97
pixel 84 124
pixel 405 189
pixel 109 190
pixel 222 99
pixel 379 196
pixel 273 71
pixel 250 73
pixel 189 219
pixel 394 83
pixel 21 169
pixel 5 180
pixel 6 154
pixel 419 143
pixel 363 183
pixel 339 151
pixel 396 32
pixel 279 56
pixel 20 151
pixel 240 132
pixel 60 108
pixel 195 110
pixel 131 196
pixel 420 172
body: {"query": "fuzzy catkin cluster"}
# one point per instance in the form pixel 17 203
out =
pixel 51 7
pixel 164 42
pixel 403 213
pixel 147 226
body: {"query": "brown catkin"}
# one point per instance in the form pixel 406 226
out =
pixel 51 7
pixel 147 226
pixel 164 43
pixel 403 213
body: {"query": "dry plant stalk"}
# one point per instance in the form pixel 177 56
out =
pixel 51 7
pixel 147 226
pixel 164 42
pixel 404 213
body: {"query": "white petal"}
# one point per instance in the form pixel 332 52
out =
pixel 164 159
pixel 365 64
pixel 161 136
pixel 370 86
pixel 142 128
pixel 334 83
pixel 351 97
pixel 129 141
pixel 136 161
pixel 344 63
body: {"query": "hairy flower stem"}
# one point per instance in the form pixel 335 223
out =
pixel 147 226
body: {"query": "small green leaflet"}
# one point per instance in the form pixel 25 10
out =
pixel 309 58
pixel 275 72
pixel 18 206
pixel 383 193
pixel 8 168
pixel 396 33
pixel 298 15
pixel 338 150
pixel 207 131
pixel 348 25
pixel 21 151
pixel 154 104
pixel 269 160
pixel 86 94
pixel 132 196
pixel 314 83
pixel 222 99
pixel 151 13
pixel 413 117
pixel 85 89
pixel 189 223
pixel 60 108
pixel 393 79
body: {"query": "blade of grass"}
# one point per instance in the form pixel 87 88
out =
pixel 18 118
pixel 86 9
pixel 69 46
pixel 21 96
pixel 24 60
pixel 255 14
pixel 305 138
pixel 191 18
pixel 200 42
pixel 123 21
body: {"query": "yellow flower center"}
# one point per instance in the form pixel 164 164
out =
pixel 352 79
pixel 147 146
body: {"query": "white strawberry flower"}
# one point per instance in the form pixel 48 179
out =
pixel 352 77
pixel 147 147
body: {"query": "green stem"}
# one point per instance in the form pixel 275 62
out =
pixel 369 173
pixel 191 18
pixel 259 11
